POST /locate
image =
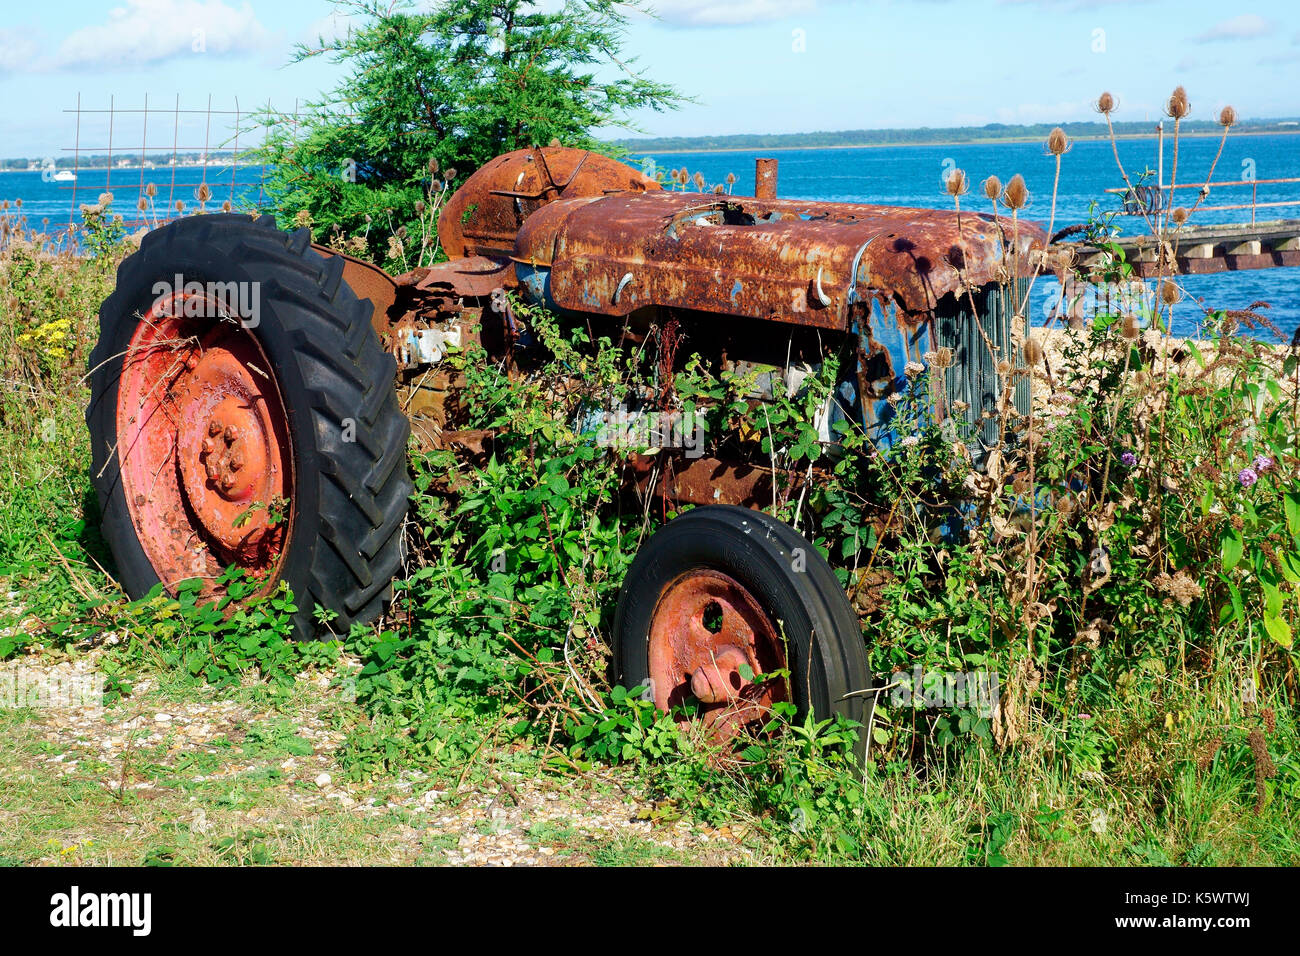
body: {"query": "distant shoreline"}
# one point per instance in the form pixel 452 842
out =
pixel 948 142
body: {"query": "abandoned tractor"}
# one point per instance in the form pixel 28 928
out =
pixel 253 396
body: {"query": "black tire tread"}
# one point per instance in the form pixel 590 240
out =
pixel 362 486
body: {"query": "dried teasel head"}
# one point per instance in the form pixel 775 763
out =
pixel 992 188
pixel 227 206
pixel 956 184
pixel 699 180
pixel 449 175
pixel 1016 195
pixel 555 142
pixel 419 207
pixel 1057 142
pixel 433 166
pixel 1227 117
pixel 943 357
pixel 731 179
pixel 719 190
pixel 1033 352
pixel 1178 106
pixel 1105 103
pixel 1129 327
pixel 142 204
pixel 204 193
pixel 150 190
pixel 1179 216
pixel 1169 292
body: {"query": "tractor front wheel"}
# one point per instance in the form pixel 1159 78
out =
pixel 719 605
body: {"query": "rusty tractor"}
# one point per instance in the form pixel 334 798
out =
pixel 253 396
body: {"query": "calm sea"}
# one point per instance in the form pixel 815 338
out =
pixel 903 176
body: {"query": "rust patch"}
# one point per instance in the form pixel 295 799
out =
pixel 710 481
pixel 485 214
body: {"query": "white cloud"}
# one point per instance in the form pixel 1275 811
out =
pixel 1059 112
pixel 333 26
pixel 149 31
pixel 1291 56
pixel 714 13
pixel 1247 26
pixel 16 50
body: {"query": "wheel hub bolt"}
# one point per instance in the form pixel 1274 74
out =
pixel 719 680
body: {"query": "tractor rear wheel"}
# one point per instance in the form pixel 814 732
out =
pixel 721 594
pixel 242 413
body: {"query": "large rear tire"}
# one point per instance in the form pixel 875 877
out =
pixel 722 586
pixel 252 424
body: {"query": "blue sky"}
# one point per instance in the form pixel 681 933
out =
pixel 753 65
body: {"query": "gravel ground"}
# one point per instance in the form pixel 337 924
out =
pixel 219 765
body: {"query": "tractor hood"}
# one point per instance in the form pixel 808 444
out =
pixel 784 260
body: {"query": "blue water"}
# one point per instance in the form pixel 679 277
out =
pixel 912 176
pixel 50 206
pixel 903 176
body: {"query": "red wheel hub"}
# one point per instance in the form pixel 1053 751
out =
pixel 203 444
pixel 704 627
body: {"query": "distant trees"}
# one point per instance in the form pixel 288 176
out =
pixel 912 137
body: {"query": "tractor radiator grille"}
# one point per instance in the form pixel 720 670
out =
pixel 973 376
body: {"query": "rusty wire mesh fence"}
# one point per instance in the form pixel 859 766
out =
pixel 162 161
